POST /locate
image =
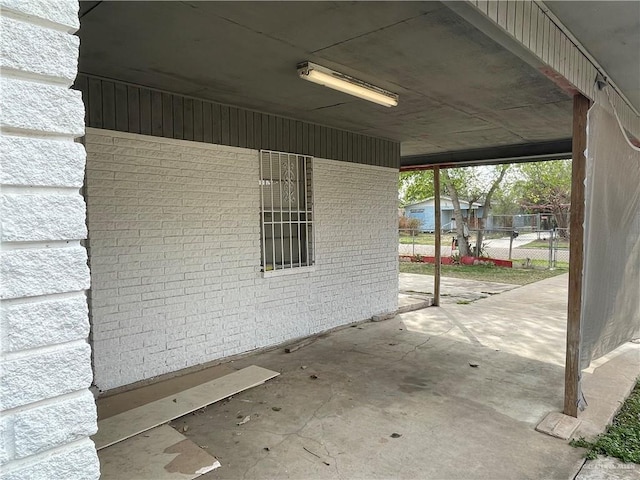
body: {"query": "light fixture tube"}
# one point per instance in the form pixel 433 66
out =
pixel 344 83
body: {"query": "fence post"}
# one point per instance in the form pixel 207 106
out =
pixel 551 240
pixel 510 244
pixel 413 243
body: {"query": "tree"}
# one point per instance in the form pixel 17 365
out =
pixel 474 184
pixel 505 200
pixel 545 187
pixel 461 227
pixel 500 172
pixel 471 184
pixel 415 186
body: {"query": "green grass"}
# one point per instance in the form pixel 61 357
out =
pixel 543 264
pixel 514 276
pixel 622 438
pixel 420 239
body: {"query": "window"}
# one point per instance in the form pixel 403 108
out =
pixel 416 210
pixel 286 216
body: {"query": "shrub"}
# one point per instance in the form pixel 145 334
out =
pixel 409 223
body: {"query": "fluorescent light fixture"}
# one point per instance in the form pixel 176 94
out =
pixel 344 83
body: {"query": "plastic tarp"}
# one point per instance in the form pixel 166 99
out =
pixel 611 277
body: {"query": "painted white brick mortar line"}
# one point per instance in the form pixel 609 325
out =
pixel 46 410
pixel 174 241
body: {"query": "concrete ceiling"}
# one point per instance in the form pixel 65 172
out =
pixel 459 90
pixel 610 31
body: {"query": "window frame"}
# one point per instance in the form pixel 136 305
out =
pixel 274 213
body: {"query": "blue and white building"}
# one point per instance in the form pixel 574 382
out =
pixel 425 212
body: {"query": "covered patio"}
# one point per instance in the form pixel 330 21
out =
pixel 489 88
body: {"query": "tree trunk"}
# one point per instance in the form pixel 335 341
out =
pixel 463 243
pixel 487 209
pixel 560 213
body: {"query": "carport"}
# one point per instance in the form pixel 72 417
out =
pixel 217 179
pixel 479 83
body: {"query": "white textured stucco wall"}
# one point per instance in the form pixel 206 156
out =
pixel 46 410
pixel 174 241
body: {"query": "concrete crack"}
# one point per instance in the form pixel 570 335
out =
pixel 413 350
pixel 315 52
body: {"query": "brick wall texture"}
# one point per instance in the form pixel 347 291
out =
pixel 174 242
pixel 46 410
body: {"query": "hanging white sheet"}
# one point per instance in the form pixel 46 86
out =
pixel 611 282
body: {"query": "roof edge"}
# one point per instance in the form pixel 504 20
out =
pixel 527 152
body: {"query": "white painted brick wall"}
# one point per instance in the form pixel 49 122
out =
pixel 46 410
pixel 37 375
pixel 42 270
pixel 41 162
pixel 42 217
pixel 77 461
pixel 41 323
pixel 29 48
pixel 174 240
pixel 70 417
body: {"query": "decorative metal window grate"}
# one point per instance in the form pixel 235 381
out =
pixel 286 217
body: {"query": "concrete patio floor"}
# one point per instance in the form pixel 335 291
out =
pixel 441 393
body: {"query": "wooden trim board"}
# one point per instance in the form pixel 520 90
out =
pixel 147 111
pixel 140 419
pixel 159 454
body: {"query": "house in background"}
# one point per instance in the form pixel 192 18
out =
pixel 425 212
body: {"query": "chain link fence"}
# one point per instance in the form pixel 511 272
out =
pixel 524 223
pixel 528 248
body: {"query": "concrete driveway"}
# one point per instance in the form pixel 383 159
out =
pixel 452 290
pixel 442 393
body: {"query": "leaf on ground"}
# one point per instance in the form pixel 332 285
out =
pixel 244 420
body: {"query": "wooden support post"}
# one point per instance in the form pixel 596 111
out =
pixel 438 233
pixel 576 244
